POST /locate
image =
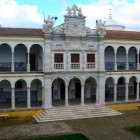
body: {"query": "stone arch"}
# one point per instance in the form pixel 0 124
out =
pixel 20 57
pixel 36 57
pixel 58 91
pixel 90 90
pixel 109 54
pixel 6 57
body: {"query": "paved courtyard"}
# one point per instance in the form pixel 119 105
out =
pixel 105 128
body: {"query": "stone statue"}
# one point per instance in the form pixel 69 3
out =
pixel 74 8
pixel 80 12
pixel 69 11
pixel 48 24
pixel 100 28
pixel 74 11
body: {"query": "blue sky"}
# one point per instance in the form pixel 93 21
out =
pixel 29 13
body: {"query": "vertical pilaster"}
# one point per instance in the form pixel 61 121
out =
pixel 48 93
pixel 43 97
pixel 28 98
pixel 13 99
pixel 28 63
pixel 127 65
pixel 12 66
pixel 115 63
pixel 115 92
pixel 101 88
pixel 66 96
pixel 138 92
pixel 137 61
pixel 126 92
pixel 82 94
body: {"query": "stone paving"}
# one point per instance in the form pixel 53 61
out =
pixel 104 128
pixel 33 130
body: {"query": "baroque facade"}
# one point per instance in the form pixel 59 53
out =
pixel 69 64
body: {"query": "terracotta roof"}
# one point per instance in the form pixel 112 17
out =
pixel 112 34
pixel 20 32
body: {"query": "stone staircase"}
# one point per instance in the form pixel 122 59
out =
pixel 75 112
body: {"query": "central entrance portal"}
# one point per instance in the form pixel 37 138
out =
pixel 74 91
pixel 58 92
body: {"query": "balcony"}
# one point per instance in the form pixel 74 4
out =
pixel 58 66
pixel 20 66
pixel 90 65
pixel 109 65
pixel 132 65
pixel 5 66
pixel 75 66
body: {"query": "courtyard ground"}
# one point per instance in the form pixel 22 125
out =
pixel 105 128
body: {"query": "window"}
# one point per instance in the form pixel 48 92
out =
pixel 74 58
pixel 58 58
pixel 58 61
pixel 90 61
pixel 90 58
pixel 75 61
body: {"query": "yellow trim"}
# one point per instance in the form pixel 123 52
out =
pixel 22 76
pixel 122 39
pixel 20 36
pixel 122 73
pixel 10 40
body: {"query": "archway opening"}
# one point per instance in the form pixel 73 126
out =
pixel 132 58
pixel 20 94
pixel 132 88
pixel 36 93
pixel 20 57
pixel 74 91
pixel 121 89
pixel 58 92
pixel 5 57
pixel 36 58
pixel 90 90
pixel 109 90
pixel 5 94
pixel 121 58
pixel 109 58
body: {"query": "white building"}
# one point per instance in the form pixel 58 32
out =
pixel 68 64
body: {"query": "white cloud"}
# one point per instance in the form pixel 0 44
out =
pixel 15 15
pixel 125 13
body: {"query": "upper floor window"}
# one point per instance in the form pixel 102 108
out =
pixel 58 61
pixel 75 61
pixel 90 61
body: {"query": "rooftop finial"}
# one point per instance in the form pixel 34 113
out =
pixel 110 15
